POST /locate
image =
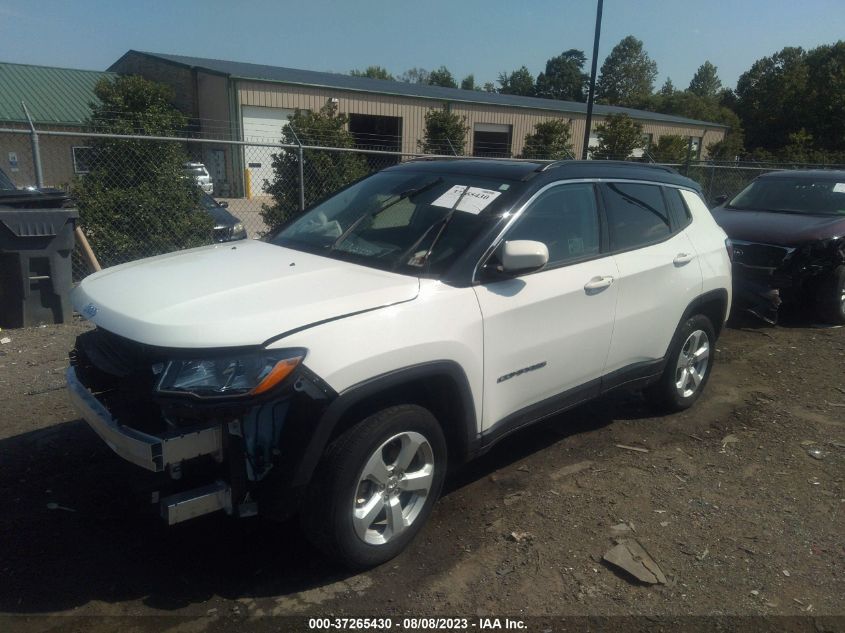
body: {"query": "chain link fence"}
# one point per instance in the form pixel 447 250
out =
pixel 140 196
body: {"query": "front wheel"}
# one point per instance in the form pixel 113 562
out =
pixel 830 297
pixel 688 366
pixel 376 486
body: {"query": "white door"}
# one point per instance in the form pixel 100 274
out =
pixel 548 332
pixel 658 273
pixel 262 125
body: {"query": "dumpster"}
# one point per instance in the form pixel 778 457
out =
pixel 35 265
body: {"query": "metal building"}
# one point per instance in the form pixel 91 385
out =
pixel 252 102
pixel 57 99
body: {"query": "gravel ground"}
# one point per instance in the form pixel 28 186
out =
pixel 740 501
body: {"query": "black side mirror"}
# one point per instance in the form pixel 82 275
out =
pixel 224 204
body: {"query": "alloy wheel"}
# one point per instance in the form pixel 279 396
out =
pixel 692 363
pixel 393 487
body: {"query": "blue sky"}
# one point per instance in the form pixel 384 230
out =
pixel 468 36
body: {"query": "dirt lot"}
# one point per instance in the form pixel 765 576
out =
pixel 727 498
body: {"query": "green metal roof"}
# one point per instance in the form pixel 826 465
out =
pixel 52 95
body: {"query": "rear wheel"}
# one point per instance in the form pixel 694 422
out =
pixel 376 486
pixel 687 366
pixel 830 297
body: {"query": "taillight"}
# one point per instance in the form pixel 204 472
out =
pixel 730 248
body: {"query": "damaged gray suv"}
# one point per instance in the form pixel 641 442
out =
pixel 787 233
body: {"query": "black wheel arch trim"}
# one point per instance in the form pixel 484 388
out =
pixel 358 393
pixel 720 295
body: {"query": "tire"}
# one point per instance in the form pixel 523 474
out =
pixel 684 377
pixel 364 476
pixel 830 297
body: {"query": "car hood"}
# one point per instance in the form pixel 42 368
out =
pixel 788 229
pixel 232 295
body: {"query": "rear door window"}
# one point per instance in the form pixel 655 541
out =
pixel 636 215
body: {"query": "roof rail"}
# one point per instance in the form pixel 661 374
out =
pixel 554 163
pixel 606 163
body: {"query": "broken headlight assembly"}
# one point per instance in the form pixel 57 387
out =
pixel 227 376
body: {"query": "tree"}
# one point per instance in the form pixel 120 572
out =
pixel 324 171
pixel 627 75
pixel 415 76
pixel 668 88
pixel 550 141
pixel 564 77
pixel 373 72
pixel 692 106
pixel 794 90
pixel 619 135
pixel 442 77
pixel 800 147
pixel 772 98
pixel 826 99
pixel 489 86
pixel 468 82
pixel 670 148
pixel 445 133
pixel 705 82
pixel 519 82
pixel 136 200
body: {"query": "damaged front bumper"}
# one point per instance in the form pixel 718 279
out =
pixel 767 275
pixel 147 451
pixel 234 455
pixel 158 454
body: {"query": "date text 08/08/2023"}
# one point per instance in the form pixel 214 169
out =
pixel 415 624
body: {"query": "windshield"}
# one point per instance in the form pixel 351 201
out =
pixel 793 195
pixel 410 222
pixel 197 171
pixel 208 203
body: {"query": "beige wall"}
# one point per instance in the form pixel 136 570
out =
pixel 412 111
pixel 56 156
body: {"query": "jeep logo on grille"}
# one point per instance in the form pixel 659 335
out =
pixel 90 310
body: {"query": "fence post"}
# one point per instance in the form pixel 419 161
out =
pixel 710 195
pixel 36 150
pixel 301 162
pixel 689 156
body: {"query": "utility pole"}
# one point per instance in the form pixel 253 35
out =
pixel 592 94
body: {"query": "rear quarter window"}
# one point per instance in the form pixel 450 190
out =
pixel 680 214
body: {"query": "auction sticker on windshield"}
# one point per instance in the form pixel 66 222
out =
pixel 839 187
pixel 469 199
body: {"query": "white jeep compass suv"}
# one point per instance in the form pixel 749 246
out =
pixel 410 321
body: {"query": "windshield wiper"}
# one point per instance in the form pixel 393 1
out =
pixel 373 214
pixel 442 223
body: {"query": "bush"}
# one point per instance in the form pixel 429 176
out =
pixel 136 200
pixel 550 141
pixel 670 148
pixel 325 171
pixel 619 136
pixel 445 133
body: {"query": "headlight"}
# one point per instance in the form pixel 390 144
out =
pixel 247 374
pixel 238 229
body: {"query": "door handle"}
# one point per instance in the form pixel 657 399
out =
pixel 682 258
pixel 598 283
